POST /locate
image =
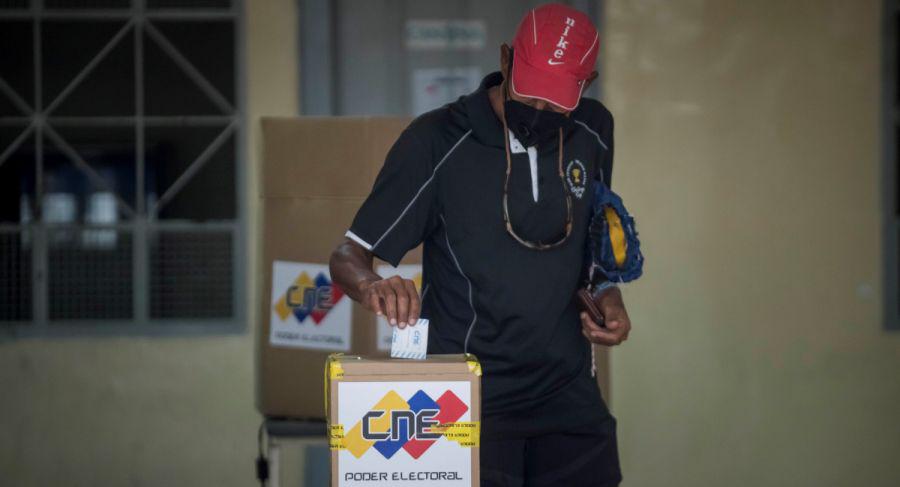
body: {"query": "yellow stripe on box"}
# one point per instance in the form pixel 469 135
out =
pixel 335 370
pixel 336 437
pixel 466 433
pixel 474 364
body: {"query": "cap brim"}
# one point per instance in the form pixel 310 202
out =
pixel 532 82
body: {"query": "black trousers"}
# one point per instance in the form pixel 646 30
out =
pixel 583 458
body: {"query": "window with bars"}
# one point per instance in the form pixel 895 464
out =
pixel 891 150
pixel 121 140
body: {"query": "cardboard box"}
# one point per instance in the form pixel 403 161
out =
pixel 404 422
pixel 316 173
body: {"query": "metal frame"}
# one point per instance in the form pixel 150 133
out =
pixel 281 432
pixel 143 222
pixel 890 121
pixel 317 46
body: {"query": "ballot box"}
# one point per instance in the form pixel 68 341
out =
pixel 403 422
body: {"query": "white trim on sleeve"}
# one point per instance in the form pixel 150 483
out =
pixel 579 122
pixel 356 238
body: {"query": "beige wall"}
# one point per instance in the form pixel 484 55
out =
pixel 747 146
pixel 150 411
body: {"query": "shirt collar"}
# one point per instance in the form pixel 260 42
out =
pixel 515 146
pixel 485 125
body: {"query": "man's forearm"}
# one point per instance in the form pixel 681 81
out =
pixel 394 298
pixel 351 269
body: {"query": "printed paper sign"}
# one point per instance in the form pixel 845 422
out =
pixel 445 34
pixel 433 87
pixel 413 272
pixel 405 433
pixel 308 311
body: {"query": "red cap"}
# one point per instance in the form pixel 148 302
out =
pixel 554 52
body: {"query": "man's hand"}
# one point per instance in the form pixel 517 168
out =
pixel 394 298
pixel 618 325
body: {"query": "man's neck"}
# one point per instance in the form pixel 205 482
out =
pixel 495 95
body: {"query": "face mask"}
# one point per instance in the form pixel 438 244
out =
pixel 530 125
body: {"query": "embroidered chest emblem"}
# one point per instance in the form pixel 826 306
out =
pixel 576 177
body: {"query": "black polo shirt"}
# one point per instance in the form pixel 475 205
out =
pixel 485 293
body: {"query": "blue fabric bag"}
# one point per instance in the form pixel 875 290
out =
pixel 613 249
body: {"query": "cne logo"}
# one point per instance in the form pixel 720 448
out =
pixel 413 425
pixel 307 297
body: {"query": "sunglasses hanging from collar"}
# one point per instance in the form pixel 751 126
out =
pixel 562 179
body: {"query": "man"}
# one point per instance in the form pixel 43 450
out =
pixel 497 185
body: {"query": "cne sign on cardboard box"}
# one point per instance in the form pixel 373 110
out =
pixel 395 422
pixel 316 173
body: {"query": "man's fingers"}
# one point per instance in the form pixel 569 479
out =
pixel 415 303
pixel 615 315
pixel 596 334
pixel 389 299
pixel 589 323
pixel 604 337
pixel 396 299
pixel 374 302
pixel 402 300
pixel 620 323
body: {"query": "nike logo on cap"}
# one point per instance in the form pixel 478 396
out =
pixel 550 61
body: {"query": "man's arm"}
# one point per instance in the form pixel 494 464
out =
pixel 394 298
pixel 616 324
pixel 396 217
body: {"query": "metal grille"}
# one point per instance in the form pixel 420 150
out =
pixel 15 276
pixel 84 4
pixel 11 4
pixel 189 3
pixel 104 206
pixel 89 274
pixel 191 274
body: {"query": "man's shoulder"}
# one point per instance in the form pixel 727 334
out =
pixel 594 115
pixel 439 129
pixel 425 141
pixel 591 110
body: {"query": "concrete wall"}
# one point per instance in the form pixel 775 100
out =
pixel 151 411
pixel 747 146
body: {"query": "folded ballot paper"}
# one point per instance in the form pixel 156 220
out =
pixel 411 341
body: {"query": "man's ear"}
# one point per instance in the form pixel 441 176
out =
pixel 587 82
pixel 505 58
